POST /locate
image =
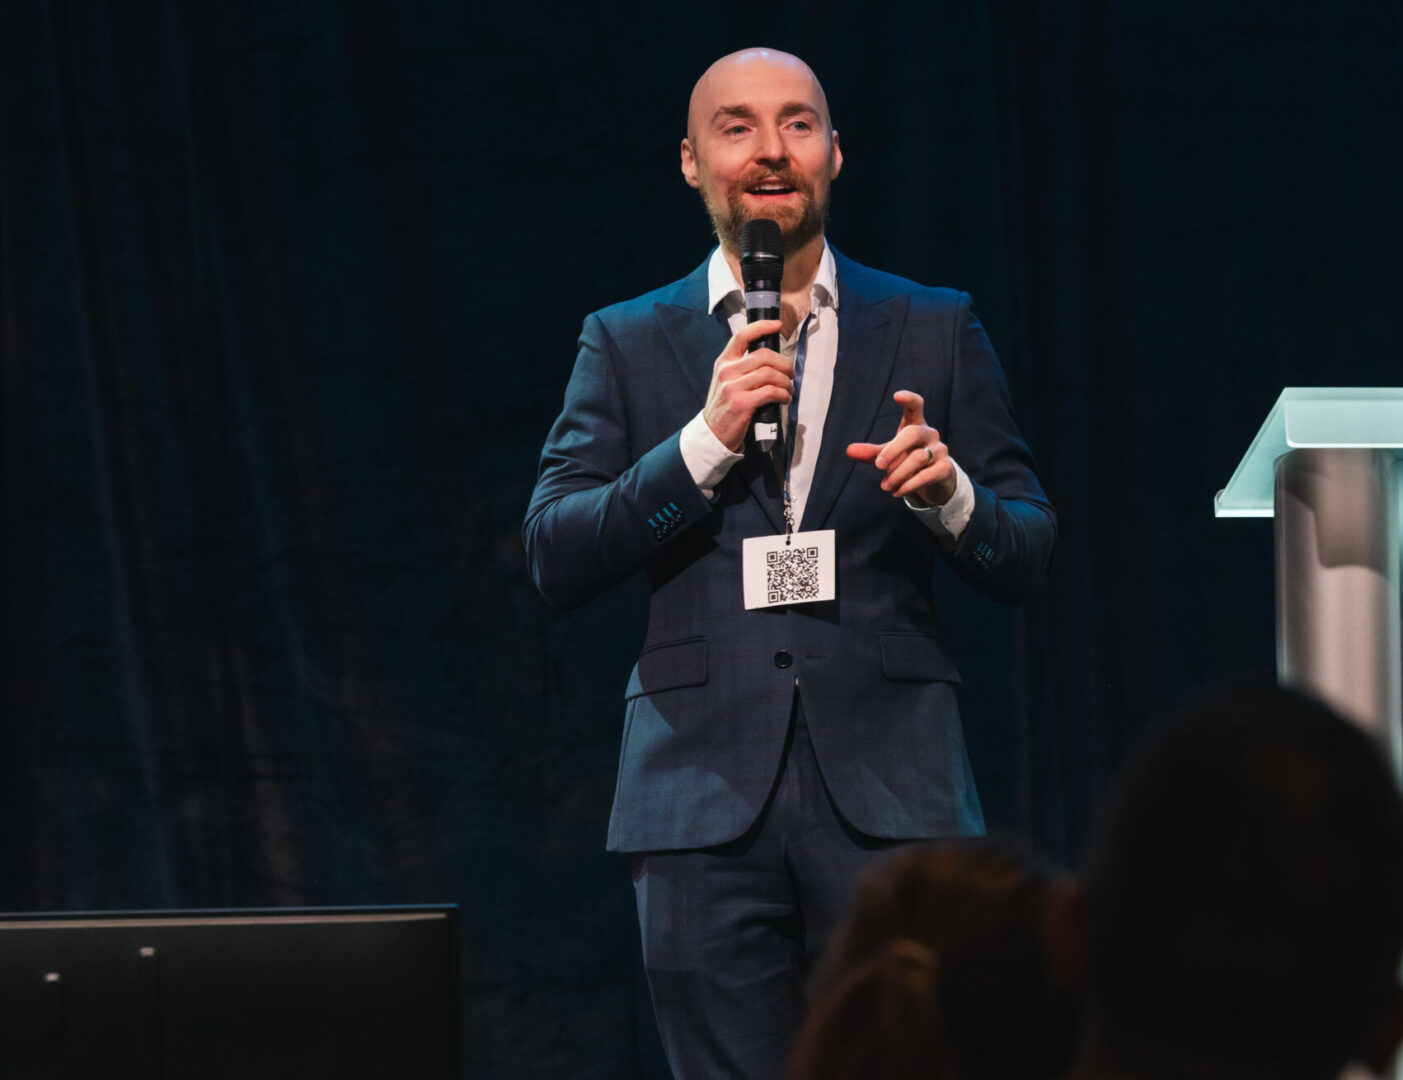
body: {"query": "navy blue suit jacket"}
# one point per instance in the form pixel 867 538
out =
pixel 708 704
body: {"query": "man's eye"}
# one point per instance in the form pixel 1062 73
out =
pixel 736 129
pixel 801 125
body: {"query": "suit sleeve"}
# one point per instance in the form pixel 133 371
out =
pixel 601 509
pixel 1006 550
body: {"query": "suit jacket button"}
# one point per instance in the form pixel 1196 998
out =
pixel 783 659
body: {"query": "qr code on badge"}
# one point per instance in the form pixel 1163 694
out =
pixel 791 575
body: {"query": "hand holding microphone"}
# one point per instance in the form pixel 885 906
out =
pixel 761 272
pixel 750 379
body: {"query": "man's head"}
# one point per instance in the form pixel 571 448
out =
pixel 1246 894
pixel 760 144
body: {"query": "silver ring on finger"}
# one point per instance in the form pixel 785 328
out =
pixel 929 455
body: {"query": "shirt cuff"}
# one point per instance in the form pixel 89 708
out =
pixel 950 520
pixel 707 458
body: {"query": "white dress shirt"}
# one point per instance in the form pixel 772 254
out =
pixel 708 459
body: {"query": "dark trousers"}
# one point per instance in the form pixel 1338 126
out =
pixel 731 933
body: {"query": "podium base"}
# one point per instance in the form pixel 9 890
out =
pixel 1337 584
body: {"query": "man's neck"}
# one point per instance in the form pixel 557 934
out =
pixel 800 270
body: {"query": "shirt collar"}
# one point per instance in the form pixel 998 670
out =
pixel 721 283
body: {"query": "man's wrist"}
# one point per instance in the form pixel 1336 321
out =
pixel 949 519
pixel 707 458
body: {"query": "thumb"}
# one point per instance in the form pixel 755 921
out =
pixel 864 451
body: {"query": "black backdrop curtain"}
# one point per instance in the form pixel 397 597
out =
pixel 288 296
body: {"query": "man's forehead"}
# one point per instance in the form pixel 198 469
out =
pixel 735 81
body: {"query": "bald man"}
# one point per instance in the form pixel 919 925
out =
pixel 792 713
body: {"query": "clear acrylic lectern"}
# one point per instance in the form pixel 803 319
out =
pixel 1325 466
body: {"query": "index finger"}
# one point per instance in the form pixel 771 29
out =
pixel 741 339
pixel 912 407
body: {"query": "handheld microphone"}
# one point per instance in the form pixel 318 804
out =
pixel 761 271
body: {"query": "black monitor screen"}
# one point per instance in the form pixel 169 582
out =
pixel 343 992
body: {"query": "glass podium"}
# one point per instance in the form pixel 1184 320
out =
pixel 1325 466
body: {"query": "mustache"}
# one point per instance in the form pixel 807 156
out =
pixel 784 176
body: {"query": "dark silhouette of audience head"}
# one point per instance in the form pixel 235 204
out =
pixel 880 1018
pixel 1246 898
pixel 948 961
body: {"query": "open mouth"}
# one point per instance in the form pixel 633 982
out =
pixel 770 190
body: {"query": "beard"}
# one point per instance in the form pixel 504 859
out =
pixel 797 224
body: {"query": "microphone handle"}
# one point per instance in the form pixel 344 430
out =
pixel 764 425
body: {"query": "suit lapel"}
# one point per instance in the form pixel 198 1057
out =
pixel 869 327
pixel 697 337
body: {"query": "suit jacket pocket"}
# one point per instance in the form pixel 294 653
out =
pixel 916 658
pixel 669 666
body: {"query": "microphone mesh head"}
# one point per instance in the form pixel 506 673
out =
pixel 761 239
pixel 761 251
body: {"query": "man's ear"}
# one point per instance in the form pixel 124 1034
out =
pixel 1384 1034
pixel 837 159
pixel 689 164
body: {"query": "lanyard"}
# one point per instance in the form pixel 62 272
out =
pixel 800 351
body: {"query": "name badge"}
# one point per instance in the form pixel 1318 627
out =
pixel 801 568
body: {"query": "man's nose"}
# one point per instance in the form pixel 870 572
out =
pixel 771 146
